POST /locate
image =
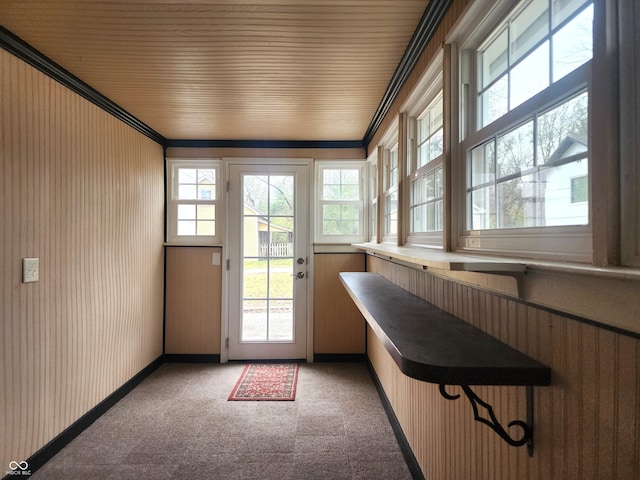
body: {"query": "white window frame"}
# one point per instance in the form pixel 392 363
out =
pixel 390 189
pixel 361 166
pixel 173 166
pixel 428 88
pixel 372 204
pixel 388 143
pixel 572 243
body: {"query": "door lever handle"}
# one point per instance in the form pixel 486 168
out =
pixel 299 275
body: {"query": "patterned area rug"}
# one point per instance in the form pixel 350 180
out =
pixel 266 382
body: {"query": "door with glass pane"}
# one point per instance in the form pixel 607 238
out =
pixel 268 255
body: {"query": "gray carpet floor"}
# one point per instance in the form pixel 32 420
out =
pixel 178 424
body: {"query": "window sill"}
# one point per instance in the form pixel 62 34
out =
pixel 455 261
pixel 607 297
pixel 335 248
pixel 192 244
pixel 428 258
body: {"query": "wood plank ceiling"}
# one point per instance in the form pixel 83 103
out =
pixel 225 69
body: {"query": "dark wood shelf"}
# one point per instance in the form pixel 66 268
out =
pixel 432 345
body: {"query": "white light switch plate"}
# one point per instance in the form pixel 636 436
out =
pixel 30 270
pixel 215 258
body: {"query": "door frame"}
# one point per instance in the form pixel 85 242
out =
pixel 257 161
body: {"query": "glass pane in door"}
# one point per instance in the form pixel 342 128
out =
pixel 267 259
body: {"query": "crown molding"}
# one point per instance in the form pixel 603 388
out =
pixel 427 26
pixel 38 60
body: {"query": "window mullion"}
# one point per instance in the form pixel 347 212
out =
pixel 453 210
pixel 403 184
pixel 380 196
pixel 629 126
pixel 605 151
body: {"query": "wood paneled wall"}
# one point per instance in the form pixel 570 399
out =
pixel 338 325
pixel 194 295
pixel 193 301
pixel 83 192
pixel 587 423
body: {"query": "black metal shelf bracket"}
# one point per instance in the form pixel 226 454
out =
pixel 493 423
